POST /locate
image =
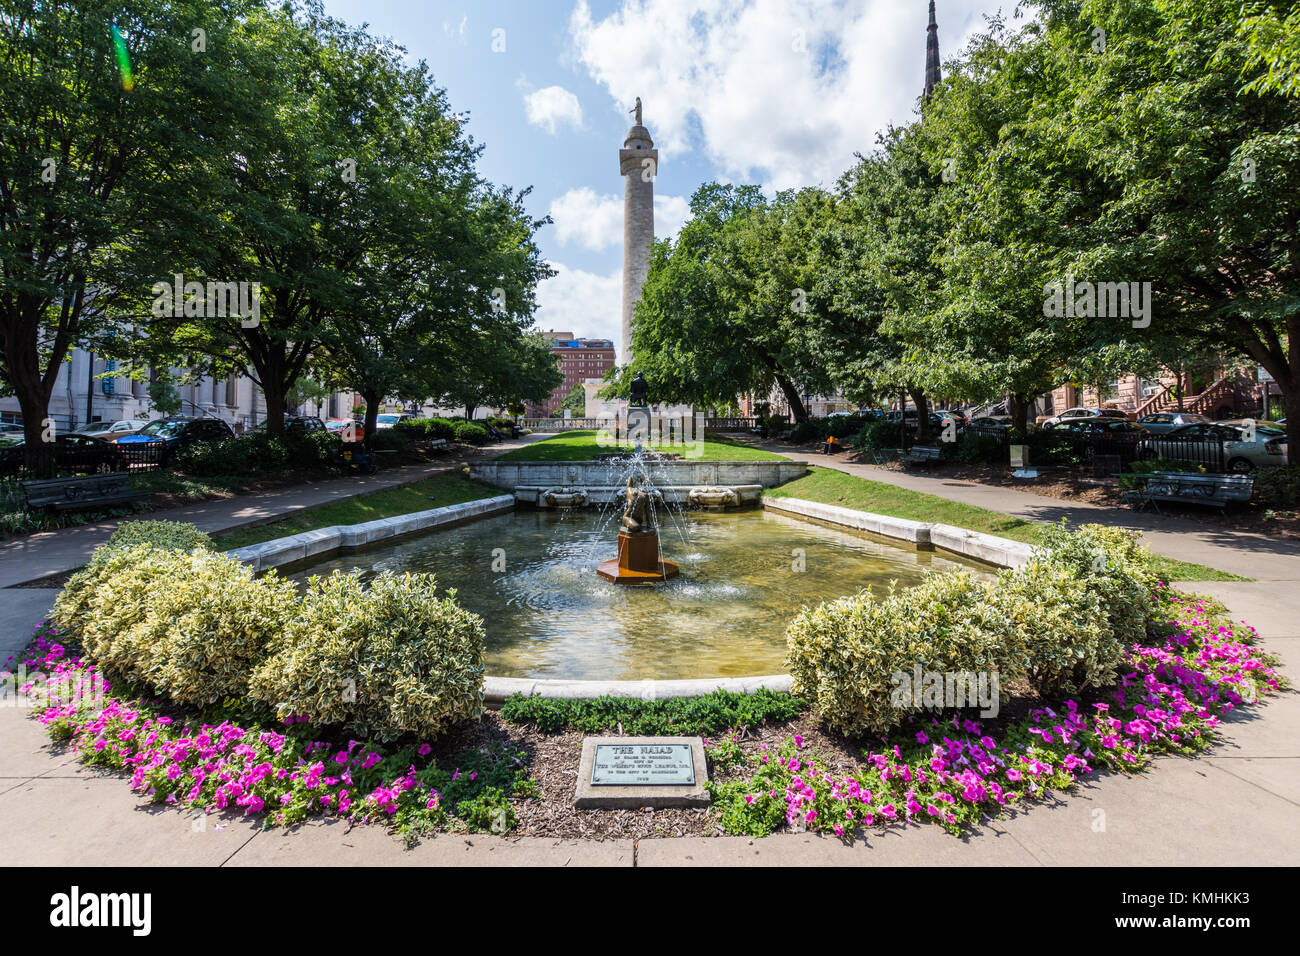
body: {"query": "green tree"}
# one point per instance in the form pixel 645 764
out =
pixel 95 150
pixel 702 334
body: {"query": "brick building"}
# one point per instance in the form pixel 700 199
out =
pixel 580 360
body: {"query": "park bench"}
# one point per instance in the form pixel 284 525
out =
pixel 1216 491
pixel 438 444
pixel 75 494
pixel 922 454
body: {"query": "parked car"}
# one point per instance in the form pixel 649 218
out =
pixel 1161 423
pixel 997 425
pixel 71 452
pixel 1201 443
pixel 389 419
pixel 295 425
pixel 161 439
pixel 10 429
pixel 946 414
pixel 109 431
pixel 1074 414
pixel 341 426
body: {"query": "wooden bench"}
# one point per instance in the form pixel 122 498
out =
pixel 922 454
pixel 1216 491
pixel 75 494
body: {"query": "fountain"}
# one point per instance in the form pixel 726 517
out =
pixel 638 560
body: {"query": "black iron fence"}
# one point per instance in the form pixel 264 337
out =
pixel 1186 450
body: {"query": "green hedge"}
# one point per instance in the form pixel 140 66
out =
pixel 1061 622
pixel 424 429
pixel 471 433
pixel 672 716
pixel 1278 487
pixel 258 453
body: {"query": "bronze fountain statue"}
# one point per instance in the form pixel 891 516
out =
pixel 638 560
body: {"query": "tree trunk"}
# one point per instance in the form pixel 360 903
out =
pixel 471 409
pixel 792 398
pixel 34 401
pixel 1018 408
pixel 922 413
pixel 372 414
pixel 274 410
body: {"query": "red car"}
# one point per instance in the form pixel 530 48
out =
pixel 346 428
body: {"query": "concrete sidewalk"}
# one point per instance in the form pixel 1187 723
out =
pixel 1249 555
pixel 50 552
pixel 1235 807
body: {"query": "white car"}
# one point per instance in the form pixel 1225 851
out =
pixel 389 419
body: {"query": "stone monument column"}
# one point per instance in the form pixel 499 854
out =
pixel 638 164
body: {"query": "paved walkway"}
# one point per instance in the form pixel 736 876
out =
pixel 1236 806
pixel 35 556
pixel 1250 555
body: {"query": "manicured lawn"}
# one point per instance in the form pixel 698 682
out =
pixel 582 446
pixel 435 492
pixel 837 488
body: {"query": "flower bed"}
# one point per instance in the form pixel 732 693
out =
pixel 1194 667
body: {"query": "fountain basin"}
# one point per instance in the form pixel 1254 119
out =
pixel 743 575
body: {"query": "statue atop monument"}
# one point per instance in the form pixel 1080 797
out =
pixel 639 392
pixel 637 110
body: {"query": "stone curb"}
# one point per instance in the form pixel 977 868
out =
pixel 971 544
pixel 497 689
pixel 324 541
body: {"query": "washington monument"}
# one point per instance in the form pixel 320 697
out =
pixel 638 164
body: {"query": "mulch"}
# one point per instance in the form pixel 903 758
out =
pixel 552 763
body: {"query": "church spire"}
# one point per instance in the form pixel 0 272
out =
pixel 932 72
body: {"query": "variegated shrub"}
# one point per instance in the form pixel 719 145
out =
pixel 383 660
pixel 845 655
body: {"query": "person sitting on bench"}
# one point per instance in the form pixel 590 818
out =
pixel 831 445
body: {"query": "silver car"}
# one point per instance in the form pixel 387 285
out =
pixel 1162 423
pixel 1245 444
pixel 109 431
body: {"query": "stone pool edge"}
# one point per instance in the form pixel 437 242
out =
pixel 323 541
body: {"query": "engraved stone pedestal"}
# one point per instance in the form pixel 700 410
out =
pixel 635 772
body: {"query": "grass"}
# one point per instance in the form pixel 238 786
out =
pixel 837 488
pixel 435 492
pixel 581 445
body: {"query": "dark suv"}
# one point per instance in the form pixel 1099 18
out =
pixel 159 441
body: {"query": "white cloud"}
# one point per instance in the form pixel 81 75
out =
pixel 588 219
pixel 584 303
pixel 595 221
pixel 552 107
pixel 671 213
pixel 780 90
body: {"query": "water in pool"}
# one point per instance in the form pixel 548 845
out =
pixel 744 575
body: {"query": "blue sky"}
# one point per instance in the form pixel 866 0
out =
pixel 778 92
